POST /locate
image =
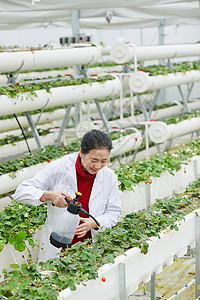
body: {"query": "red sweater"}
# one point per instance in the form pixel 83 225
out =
pixel 84 184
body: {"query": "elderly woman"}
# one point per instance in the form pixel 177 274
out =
pixel 85 172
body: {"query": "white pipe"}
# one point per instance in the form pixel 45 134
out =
pixel 59 96
pixel 20 147
pixel 55 73
pixel 183 289
pixel 141 82
pixel 46 59
pixel 105 50
pixel 159 132
pixel 123 53
pixel 58 114
pixel 126 144
pixel 9 184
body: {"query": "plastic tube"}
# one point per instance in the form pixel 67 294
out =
pixel 159 132
pixel 123 53
pixel 46 59
pixel 126 143
pixel 59 96
pixel 141 82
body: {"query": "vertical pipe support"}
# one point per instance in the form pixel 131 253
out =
pixel 153 286
pixel 148 195
pixel 197 264
pixel 122 281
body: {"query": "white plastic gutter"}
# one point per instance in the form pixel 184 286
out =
pixel 59 96
pixel 47 59
pixel 126 144
pixel 159 132
pixel 138 267
pixel 58 114
pixel 159 114
pixel 20 147
pixel 141 82
pixel 55 73
pixel 123 53
pixel 10 181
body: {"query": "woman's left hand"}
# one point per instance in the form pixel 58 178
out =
pixel 85 226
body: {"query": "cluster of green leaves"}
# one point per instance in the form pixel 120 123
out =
pixel 177 119
pixel 36 111
pixel 19 223
pixel 81 262
pixel 154 70
pixel 130 174
pixel 13 90
pixel 26 282
pixel 45 155
pixel 12 139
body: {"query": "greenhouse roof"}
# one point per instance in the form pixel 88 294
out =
pixel 97 14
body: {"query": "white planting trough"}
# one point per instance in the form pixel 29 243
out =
pixel 138 267
pixel 59 96
pixel 141 82
pixel 10 150
pixel 122 53
pixel 47 59
pixel 126 143
pixel 159 132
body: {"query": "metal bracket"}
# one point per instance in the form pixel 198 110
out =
pixel 34 130
pixel 64 123
pixel 185 99
pixel 103 117
pixel 11 76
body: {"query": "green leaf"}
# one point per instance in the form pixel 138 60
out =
pixel 31 242
pixel 12 239
pixel 21 236
pixel 20 246
pixel 14 266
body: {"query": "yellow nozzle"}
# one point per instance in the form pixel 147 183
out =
pixel 78 194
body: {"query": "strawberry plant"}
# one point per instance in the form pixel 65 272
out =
pixel 13 90
pixel 81 262
pixel 19 223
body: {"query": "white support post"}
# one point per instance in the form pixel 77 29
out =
pixel 122 281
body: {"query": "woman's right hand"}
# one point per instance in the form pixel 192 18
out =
pixel 56 197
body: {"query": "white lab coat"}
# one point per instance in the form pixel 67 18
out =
pixel 104 202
